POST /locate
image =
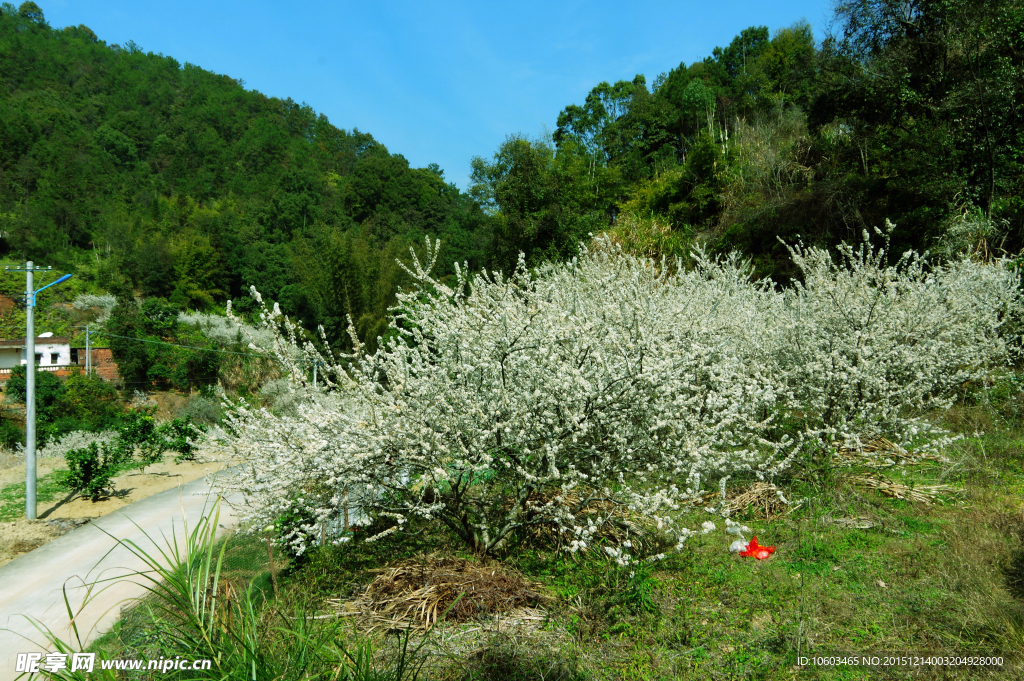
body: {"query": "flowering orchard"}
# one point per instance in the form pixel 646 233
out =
pixel 605 382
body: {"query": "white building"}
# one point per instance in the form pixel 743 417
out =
pixel 51 351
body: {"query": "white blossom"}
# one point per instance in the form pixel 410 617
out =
pixel 508 402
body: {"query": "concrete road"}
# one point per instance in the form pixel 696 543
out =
pixel 32 583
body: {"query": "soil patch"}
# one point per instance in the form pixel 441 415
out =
pixel 21 536
pixel 169 405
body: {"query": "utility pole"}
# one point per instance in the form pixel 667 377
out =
pixel 30 382
pixel 88 351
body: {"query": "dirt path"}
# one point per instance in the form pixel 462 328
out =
pixel 66 512
pixel 32 583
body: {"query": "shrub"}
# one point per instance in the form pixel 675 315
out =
pixel 203 410
pixel 91 400
pixel 90 470
pixel 104 302
pixel 222 330
pixel 137 430
pixel 863 345
pixel 10 434
pixel 58 428
pixel 177 436
pixel 49 391
pixel 60 446
pixel 78 403
pixel 281 397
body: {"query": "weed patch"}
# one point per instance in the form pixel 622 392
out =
pixel 12 497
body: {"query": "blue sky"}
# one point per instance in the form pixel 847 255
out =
pixel 435 82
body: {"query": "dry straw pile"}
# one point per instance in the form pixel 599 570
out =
pixel 418 592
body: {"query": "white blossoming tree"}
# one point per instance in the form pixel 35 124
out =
pixel 510 402
pixel 606 383
pixel 870 347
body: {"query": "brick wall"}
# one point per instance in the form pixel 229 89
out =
pixel 103 365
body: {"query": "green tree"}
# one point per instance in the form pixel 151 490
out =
pixel 146 341
pixel 90 401
pixel 31 11
pixel 923 94
pixel 49 392
pixel 542 203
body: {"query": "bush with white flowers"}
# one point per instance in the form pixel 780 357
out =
pixel 105 302
pixel 605 382
pixel 510 402
pixel 223 331
pixel 869 347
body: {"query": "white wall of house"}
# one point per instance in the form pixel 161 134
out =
pixel 52 354
pixel 11 357
pixel 49 354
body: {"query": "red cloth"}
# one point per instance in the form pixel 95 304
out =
pixel 756 551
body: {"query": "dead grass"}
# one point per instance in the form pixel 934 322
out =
pixel 761 500
pixel 925 494
pixel 10 459
pixel 876 451
pixel 416 593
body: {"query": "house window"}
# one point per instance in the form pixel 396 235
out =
pixel 39 358
pixel 54 357
pixel 74 355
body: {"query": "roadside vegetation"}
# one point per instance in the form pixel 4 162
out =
pixel 855 571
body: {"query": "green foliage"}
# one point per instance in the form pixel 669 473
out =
pixel 176 434
pixel 192 188
pixel 79 402
pixel 146 176
pixel 139 442
pixel 158 363
pixel 10 434
pixel 90 470
pixel 641 586
pixel 203 411
pixel 546 202
pixel 48 388
pixel 138 436
pixel 911 117
pixel 191 605
pixel 89 400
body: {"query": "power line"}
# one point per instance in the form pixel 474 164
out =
pixel 192 347
pixel 177 345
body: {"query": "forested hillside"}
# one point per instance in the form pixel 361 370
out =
pixel 137 172
pixel 143 175
pixel 911 111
